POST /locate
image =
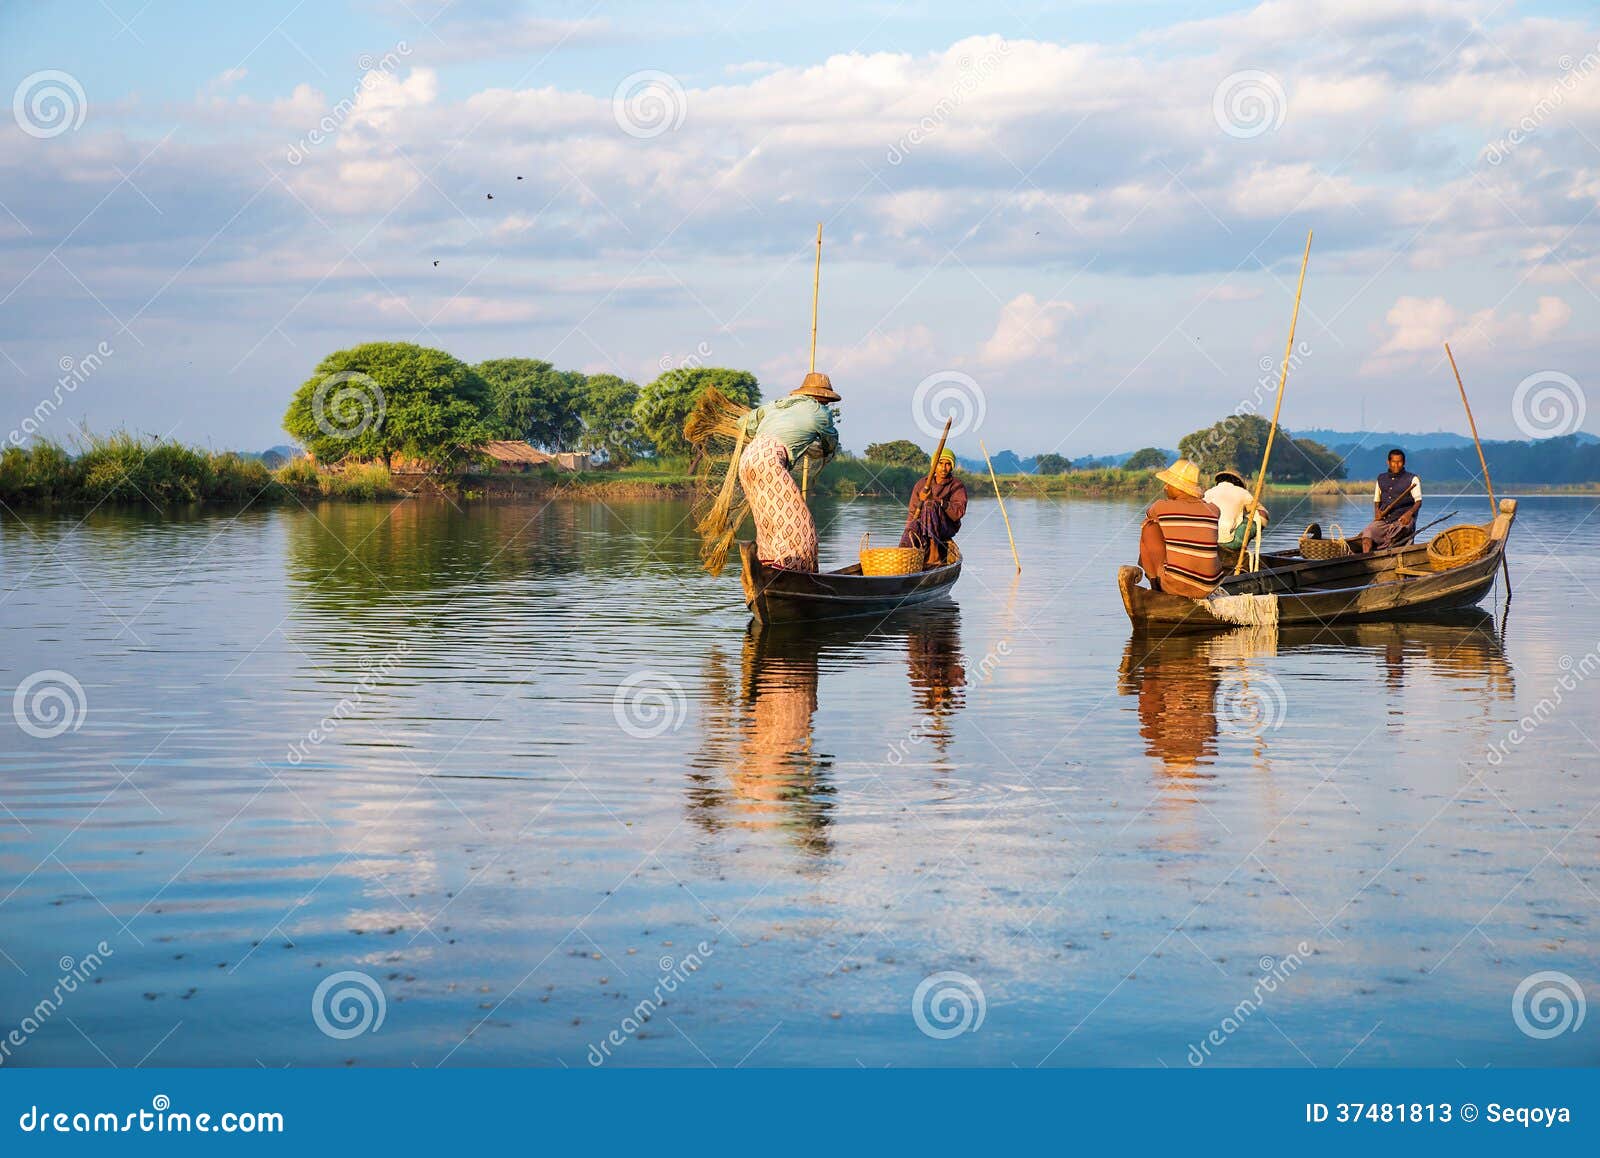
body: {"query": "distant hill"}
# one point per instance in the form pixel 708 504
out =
pixel 1010 462
pixel 1334 439
pixel 1573 459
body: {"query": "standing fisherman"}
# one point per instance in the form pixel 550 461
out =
pixel 938 504
pixel 777 434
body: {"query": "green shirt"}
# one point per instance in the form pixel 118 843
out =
pixel 796 421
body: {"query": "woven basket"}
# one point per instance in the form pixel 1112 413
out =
pixel 1456 545
pixel 1314 546
pixel 889 560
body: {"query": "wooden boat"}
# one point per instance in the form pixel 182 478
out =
pixel 1395 583
pixel 776 595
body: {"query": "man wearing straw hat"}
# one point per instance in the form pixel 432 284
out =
pixel 1178 542
pixel 937 508
pixel 778 434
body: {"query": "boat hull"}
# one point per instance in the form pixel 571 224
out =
pixel 775 595
pixel 1391 584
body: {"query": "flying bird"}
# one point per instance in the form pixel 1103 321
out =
pixel 490 196
pixel 519 178
pixel 436 265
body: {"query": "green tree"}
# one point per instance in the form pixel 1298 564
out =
pixel 1239 441
pixel 900 452
pixel 608 421
pixel 1147 458
pixel 535 402
pixel 1051 464
pixel 382 398
pixel 665 403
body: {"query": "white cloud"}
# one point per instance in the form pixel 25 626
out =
pixel 1028 328
pixel 1420 326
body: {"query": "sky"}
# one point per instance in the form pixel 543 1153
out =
pixel 1078 227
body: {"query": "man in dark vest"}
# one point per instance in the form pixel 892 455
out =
pixel 1396 501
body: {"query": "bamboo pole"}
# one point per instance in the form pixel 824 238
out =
pixel 816 283
pixel 990 464
pixel 1283 380
pixel 1494 507
pixel 1483 462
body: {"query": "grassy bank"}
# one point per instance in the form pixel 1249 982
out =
pixel 126 469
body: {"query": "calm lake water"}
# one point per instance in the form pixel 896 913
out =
pixel 525 775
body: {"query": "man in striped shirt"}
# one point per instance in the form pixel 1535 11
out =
pixel 1178 542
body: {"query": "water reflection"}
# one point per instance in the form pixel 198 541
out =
pixel 1180 679
pixel 763 766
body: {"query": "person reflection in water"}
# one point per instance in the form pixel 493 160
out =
pixel 1176 684
pixel 938 673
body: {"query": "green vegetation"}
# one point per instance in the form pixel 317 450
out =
pixel 665 403
pixel 900 452
pixel 1051 464
pixel 1146 458
pixel 383 398
pixel 608 422
pixel 1239 441
pixel 533 401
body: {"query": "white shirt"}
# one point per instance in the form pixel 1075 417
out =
pixel 1231 499
pixel 1416 491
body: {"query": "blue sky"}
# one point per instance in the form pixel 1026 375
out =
pixel 1088 217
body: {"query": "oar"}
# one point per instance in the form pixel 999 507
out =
pixel 1002 503
pixel 1283 380
pixel 816 283
pixel 1435 523
pixel 1494 507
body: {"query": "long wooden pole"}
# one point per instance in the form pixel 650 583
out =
pixel 990 464
pixel 816 284
pixel 1283 380
pixel 1494 507
pixel 1483 462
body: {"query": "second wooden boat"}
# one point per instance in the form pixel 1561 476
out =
pixel 1389 584
pixel 776 595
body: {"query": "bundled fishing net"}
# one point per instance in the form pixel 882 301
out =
pixel 715 429
pixel 1245 610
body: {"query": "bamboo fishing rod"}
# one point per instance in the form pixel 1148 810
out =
pixel 816 284
pixel 990 464
pixel 1283 380
pixel 1494 507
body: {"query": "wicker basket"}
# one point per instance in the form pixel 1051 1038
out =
pixel 889 560
pixel 1456 545
pixel 1314 546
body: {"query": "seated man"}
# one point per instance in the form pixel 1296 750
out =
pixel 1178 542
pixel 936 511
pixel 1396 502
pixel 1231 498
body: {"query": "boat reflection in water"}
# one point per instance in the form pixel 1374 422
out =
pixel 763 767
pixel 1184 682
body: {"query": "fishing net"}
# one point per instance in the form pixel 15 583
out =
pixel 715 429
pixel 1245 610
